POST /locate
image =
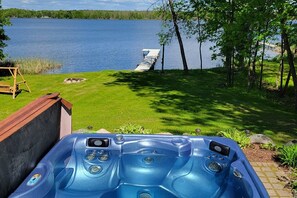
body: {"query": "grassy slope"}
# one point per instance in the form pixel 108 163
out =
pixel 171 102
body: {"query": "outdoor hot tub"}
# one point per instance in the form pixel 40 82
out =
pixel 143 166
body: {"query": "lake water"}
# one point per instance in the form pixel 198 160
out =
pixel 93 45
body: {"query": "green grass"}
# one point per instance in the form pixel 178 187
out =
pixel 172 102
pixel 271 73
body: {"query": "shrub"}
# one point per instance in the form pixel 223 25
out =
pixel 269 146
pixel 288 155
pixel 240 137
pixel 31 65
pixel 132 129
pixel 36 65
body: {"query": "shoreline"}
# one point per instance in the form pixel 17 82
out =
pixel 81 14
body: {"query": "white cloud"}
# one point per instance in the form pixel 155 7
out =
pixel 27 1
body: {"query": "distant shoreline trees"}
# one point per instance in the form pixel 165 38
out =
pixel 80 14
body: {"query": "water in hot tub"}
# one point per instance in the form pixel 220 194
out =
pixel 150 173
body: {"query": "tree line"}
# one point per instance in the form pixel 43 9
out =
pixel 79 14
pixel 240 30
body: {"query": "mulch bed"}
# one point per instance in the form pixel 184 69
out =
pixel 255 154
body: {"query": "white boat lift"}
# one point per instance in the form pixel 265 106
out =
pixel 150 58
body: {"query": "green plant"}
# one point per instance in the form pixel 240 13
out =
pixel 288 155
pixel 238 136
pixel 31 65
pixel 36 65
pixel 132 129
pixel 269 146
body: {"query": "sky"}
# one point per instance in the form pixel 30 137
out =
pixel 78 4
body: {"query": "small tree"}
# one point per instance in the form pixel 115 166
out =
pixel 286 15
pixel 164 39
pixel 3 21
pixel 193 22
pixel 178 35
pixel 169 12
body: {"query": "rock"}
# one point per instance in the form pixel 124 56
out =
pixel 89 127
pixel 291 142
pixel 295 193
pixel 164 133
pixel 198 130
pixel 260 139
pixel 247 132
pixel 73 80
pixel 102 131
pixel 80 131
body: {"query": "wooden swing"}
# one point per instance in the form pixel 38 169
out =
pixel 14 89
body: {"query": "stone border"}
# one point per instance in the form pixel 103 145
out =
pixel 74 80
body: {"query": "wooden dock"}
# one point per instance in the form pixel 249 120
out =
pixel 271 46
pixel 150 58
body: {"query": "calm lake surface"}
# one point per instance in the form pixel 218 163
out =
pixel 93 45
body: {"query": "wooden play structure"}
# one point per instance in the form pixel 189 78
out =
pixel 15 88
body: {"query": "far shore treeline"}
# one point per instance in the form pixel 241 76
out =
pixel 80 14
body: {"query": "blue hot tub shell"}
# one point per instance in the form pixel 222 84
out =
pixel 143 166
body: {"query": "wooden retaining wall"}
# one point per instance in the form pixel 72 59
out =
pixel 27 135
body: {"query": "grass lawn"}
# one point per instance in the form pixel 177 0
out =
pixel 172 102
